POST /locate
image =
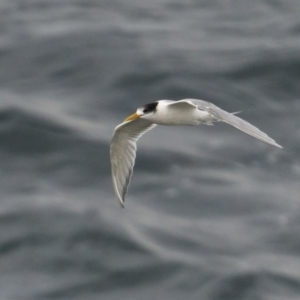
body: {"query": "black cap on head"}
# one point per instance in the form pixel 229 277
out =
pixel 150 107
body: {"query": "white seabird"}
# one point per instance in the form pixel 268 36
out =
pixel 165 112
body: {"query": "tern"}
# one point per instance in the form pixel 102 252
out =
pixel 165 112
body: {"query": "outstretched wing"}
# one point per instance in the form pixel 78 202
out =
pixel 231 119
pixel 123 152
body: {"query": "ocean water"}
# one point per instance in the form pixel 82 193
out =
pixel 211 213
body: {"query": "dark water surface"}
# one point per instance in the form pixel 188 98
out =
pixel 211 213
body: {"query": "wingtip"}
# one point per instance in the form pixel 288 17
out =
pixel 120 198
pixel 121 201
pixel 277 145
pixel 122 204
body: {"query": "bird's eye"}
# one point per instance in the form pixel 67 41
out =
pixel 146 111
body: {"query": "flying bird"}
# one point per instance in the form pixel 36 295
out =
pixel 165 112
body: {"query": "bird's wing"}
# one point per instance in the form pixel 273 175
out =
pixel 231 119
pixel 123 152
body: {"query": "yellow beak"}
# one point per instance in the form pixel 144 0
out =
pixel 132 117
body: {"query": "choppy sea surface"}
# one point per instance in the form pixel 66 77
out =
pixel 211 213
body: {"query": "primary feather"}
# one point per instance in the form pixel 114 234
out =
pixel 233 120
pixel 123 152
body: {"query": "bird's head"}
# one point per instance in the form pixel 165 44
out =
pixel 144 112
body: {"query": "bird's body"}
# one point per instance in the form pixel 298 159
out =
pixel 180 114
pixel 165 112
